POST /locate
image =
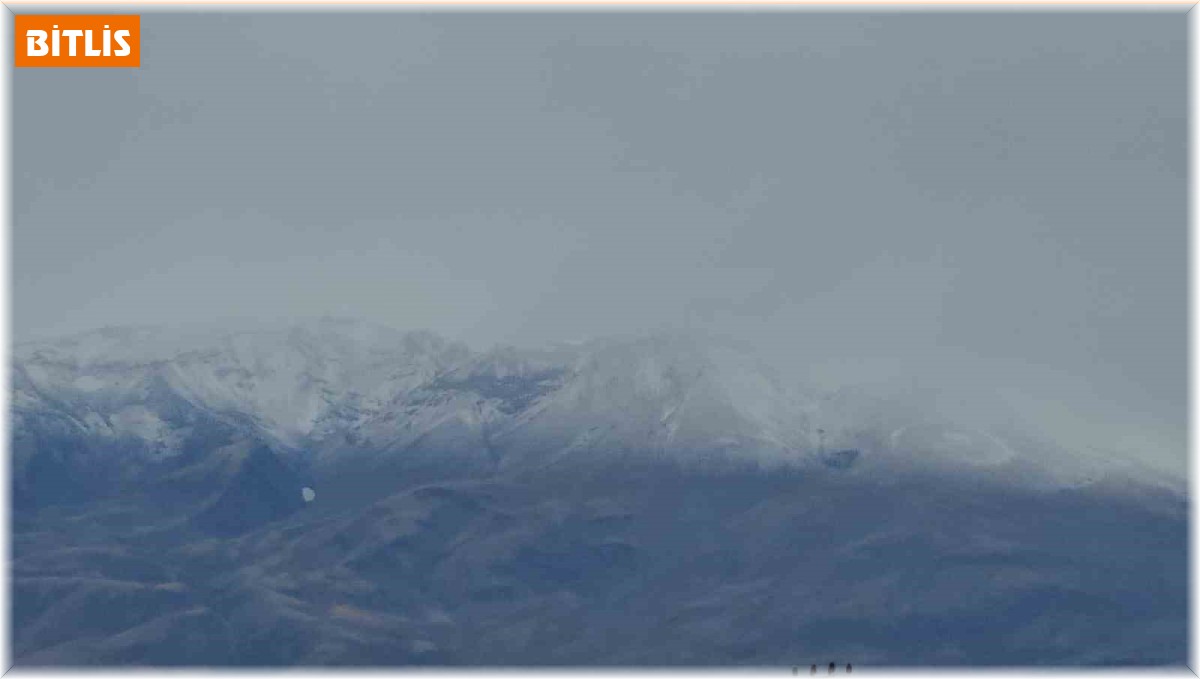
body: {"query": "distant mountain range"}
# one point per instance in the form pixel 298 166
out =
pixel 657 500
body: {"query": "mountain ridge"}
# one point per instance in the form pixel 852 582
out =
pixel 329 391
pixel 655 500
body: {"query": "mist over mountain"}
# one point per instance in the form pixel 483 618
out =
pixel 938 414
pixel 647 500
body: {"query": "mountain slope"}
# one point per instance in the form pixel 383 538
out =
pixel 646 566
pixel 641 501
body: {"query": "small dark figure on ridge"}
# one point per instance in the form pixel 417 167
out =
pixel 832 668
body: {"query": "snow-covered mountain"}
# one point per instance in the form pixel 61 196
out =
pixel 657 500
pixel 295 383
pixel 333 391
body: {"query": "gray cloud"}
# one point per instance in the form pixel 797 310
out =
pixel 995 202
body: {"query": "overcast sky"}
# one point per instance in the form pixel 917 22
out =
pixel 994 201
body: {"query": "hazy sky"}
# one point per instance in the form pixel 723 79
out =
pixel 996 201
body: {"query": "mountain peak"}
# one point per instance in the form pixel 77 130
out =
pixel 334 388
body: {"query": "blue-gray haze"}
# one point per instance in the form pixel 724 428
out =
pixel 604 338
pixel 991 203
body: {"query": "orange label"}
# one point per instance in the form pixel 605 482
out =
pixel 75 40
